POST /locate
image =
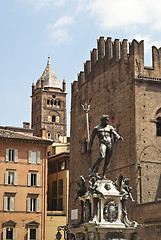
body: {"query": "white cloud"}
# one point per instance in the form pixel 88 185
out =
pixel 63 21
pixel 124 13
pixel 60 36
pixel 58 31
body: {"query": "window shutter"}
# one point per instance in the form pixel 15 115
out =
pixel 5 203
pixel 29 179
pixel 14 233
pixel 15 155
pixel 6 178
pixel 4 233
pixel 37 234
pixel 15 178
pixel 7 155
pixel 37 204
pixel 38 157
pixel 29 157
pixel 12 203
pixel 38 180
pixel 28 234
pixel 28 204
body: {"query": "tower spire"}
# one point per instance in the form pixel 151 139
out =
pixel 48 63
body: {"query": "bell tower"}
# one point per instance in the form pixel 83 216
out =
pixel 49 105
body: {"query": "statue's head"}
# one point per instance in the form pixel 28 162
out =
pixel 105 119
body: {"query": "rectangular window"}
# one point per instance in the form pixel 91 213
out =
pixel 33 179
pixel 9 233
pixel 33 157
pixel 54 188
pixel 60 204
pixel 54 204
pixel 32 204
pixel 60 186
pixel 11 155
pixel 8 203
pixel 10 178
pixel 61 166
pixel 32 234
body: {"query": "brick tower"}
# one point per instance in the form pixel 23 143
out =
pixel 116 82
pixel 49 105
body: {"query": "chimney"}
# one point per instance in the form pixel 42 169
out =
pixel 43 133
pixel 26 125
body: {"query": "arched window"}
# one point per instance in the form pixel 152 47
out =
pixel 53 118
pixel 158 126
pixel 59 103
pixel 48 101
pixel 51 102
pixel 49 135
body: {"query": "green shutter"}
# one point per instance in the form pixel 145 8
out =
pixel 12 200
pixel 28 205
pixel 15 155
pixel 37 234
pixel 38 157
pixel 28 234
pixel 29 179
pixel 37 204
pixel 14 234
pixel 6 178
pixel 7 155
pixel 5 203
pixel 4 233
pixel 38 180
pixel 29 157
pixel 15 178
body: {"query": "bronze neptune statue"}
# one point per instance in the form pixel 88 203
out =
pixel 106 135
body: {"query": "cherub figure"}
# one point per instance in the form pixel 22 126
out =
pixel 81 190
pixel 126 189
pixel 126 193
pixel 93 187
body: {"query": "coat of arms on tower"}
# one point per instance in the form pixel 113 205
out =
pixel 110 211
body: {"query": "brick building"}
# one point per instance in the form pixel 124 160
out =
pixel 49 105
pixel 116 82
pixel 23 181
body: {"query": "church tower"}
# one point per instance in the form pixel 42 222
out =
pixel 49 105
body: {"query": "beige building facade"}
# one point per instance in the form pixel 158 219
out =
pixel 116 82
pixel 23 181
pixel 58 187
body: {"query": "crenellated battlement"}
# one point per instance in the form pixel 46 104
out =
pixel 111 53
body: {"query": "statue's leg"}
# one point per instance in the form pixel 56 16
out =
pixel 102 151
pixel 108 156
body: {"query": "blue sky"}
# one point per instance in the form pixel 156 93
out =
pixel 66 30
